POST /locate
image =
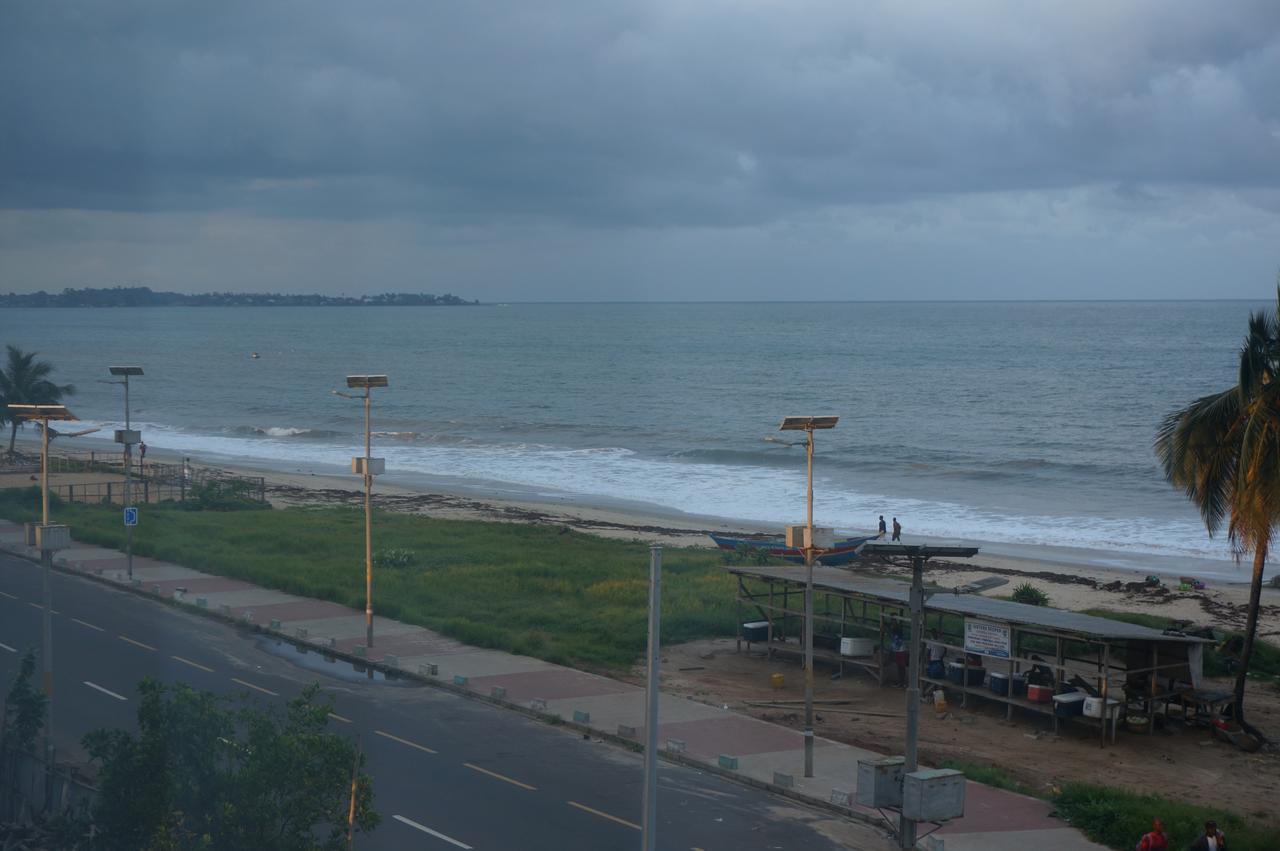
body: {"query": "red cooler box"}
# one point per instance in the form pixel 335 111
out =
pixel 1040 694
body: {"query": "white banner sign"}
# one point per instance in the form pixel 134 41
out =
pixel 987 639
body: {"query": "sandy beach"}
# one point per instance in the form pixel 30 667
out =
pixel 1069 583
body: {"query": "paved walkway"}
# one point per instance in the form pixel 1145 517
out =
pixel 714 739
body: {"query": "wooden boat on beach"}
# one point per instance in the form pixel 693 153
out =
pixel 844 551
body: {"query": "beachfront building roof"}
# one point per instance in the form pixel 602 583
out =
pixel 1135 665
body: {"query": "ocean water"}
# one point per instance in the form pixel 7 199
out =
pixel 1014 423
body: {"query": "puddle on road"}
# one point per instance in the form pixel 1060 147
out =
pixel 315 659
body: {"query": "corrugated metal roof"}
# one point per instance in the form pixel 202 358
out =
pixel 1042 617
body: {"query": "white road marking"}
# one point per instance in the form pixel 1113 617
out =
pixel 256 688
pixel 7 594
pixel 427 830
pixel 105 691
pixel 7 647
pixel 41 608
pixel 603 814
pixel 404 741
pixel 501 777
pixel 192 664
pixel 336 717
pixel 136 643
pixel 86 623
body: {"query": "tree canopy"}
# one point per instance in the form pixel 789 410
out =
pixel 25 381
pixel 207 773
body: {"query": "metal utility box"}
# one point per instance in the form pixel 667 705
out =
pixel 824 537
pixel 936 794
pixel 377 466
pixel 29 533
pixel 53 537
pixel 880 782
pixel 128 436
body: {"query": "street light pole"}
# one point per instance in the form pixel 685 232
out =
pixel 808 620
pixel 649 840
pixel 808 425
pixel 128 437
pixel 368 467
pixel 368 524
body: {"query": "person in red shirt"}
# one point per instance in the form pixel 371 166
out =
pixel 1155 840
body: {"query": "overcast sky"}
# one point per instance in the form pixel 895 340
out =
pixel 665 149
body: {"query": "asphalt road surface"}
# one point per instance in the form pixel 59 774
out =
pixel 448 772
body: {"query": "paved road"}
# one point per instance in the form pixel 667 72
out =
pixel 448 772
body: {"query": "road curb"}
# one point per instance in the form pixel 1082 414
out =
pixel 549 718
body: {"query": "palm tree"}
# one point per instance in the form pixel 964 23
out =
pixel 1224 451
pixel 25 381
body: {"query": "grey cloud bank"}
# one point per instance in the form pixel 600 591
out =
pixel 713 150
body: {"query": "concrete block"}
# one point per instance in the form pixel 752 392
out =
pixel 247 615
pixel 155 589
pixel 729 762
pixel 202 602
pixel 275 624
pixel 580 717
pixel 841 798
pixel 626 731
pixel 786 781
pixel 177 594
pixel 538 705
pixel 676 745
pixel 391 660
pixel 137 583
pixel 459 680
pixel 498 693
pixel 224 609
pixel 361 651
pixel 429 669
pixel 300 632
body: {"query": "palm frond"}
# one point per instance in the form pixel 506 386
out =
pixel 1197 451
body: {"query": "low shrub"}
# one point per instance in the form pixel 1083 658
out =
pixel 1030 594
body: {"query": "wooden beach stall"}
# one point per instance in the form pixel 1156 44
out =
pixel 1129 671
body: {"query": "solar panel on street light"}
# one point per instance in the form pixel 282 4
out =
pixel 43 412
pixel 367 381
pixel 125 370
pixel 807 423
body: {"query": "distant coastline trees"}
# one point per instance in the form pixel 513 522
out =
pixel 1224 451
pixel 146 297
pixel 25 381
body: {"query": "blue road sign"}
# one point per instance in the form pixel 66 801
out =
pixel 131 516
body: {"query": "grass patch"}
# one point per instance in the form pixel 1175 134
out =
pixel 542 591
pixel 1264 662
pixel 989 775
pixel 1118 819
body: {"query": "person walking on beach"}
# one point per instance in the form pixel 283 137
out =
pixel 1155 840
pixel 882 525
pixel 1212 840
pixel 897 530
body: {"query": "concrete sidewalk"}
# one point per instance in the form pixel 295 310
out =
pixel 711 738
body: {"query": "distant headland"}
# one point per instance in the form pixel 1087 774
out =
pixel 146 297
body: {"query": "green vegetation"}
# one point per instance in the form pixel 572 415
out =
pixel 203 772
pixel 24 709
pixel 25 381
pixel 1118 819
pixel 1223 452
pixel 1030 595
pixel 542 591
pixel 1266 656
pixel 989 775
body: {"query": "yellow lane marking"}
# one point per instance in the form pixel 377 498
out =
pixel 86 623
pixel 596 812
pixel 255 688
pixel 404 741
pixel 336 717
pixel 192 664
pixel 135 643
pixel 501 777
pixel 7 594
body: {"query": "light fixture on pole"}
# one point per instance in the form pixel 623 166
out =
pixel 129 438
pixel 368 467
pixel 808 425
pixel 48 538
pixel 918 555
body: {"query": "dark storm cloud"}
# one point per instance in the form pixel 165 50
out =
pixel 653 113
